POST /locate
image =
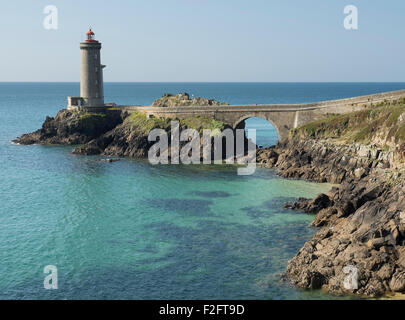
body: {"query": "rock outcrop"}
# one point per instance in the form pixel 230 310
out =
pixel 130 138
pixel 117 133
pixel 73 127
pixel 361 221
pixel 360 245
pixel 183 99
pixel 322 160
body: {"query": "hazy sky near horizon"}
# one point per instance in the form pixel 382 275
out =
pixel 206 40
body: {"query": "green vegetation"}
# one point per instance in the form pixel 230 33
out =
pixel 91 120
pixel 385 121
pixel 91 116
pixel 142 124
pixel 400 134
pixel 200 123
pixel 95 122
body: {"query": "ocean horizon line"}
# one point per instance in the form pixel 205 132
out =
pixel 209 82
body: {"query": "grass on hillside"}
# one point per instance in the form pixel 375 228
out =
pixel 144 125
pixel 200 123
pixel 361 126
pixel 91 120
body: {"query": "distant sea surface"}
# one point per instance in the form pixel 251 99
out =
pixel 129 230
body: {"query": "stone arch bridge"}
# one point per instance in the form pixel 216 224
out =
pixel 284 117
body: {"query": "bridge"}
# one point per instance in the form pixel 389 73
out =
pixel 283 117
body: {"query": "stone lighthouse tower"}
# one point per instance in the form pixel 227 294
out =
pixel 91 76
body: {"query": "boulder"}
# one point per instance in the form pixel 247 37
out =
pixel 397 283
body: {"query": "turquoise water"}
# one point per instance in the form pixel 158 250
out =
pixel 129 230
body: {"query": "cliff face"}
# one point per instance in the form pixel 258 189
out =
pixel 361 222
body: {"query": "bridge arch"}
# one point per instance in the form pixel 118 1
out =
pixel 240 122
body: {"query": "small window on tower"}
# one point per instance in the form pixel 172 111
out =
pixel 95 56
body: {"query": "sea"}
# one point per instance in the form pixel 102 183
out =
pixel 131 230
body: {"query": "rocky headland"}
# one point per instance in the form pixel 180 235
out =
pixel 183 100
pixel 71 127
pixel 116 132
pixel 361 221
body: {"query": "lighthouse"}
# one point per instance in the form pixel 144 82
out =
pixel 91 76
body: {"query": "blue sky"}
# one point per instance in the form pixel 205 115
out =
pixel 206 40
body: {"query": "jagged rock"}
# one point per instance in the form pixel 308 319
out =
pixel 324 217
pixel 359 173
pixel 359 222
pixel 88 149
pixel 397 283
pixel 267 157
pixel 320 202
pixel 73 127
pixel 401 257
pixel 364 151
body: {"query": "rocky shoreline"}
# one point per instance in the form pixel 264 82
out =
pixel 361 221
pixel 116 132
pixel 72 128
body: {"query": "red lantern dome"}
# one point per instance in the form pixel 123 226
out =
pixel 90 36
